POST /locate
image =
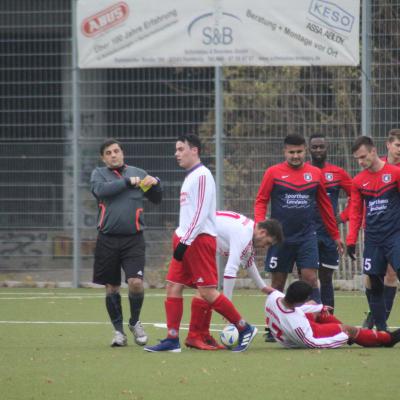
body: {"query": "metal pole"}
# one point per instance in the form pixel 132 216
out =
pixel 366 90
pixel 219 151
pixel 75 151
pixel 219 135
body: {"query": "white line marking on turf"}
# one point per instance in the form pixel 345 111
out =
pixel 162 325
pixel 53 298
pixel 54 322
pixel 62 296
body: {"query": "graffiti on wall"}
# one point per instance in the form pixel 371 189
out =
pixel 33 250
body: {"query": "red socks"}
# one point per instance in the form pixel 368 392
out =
pixel 371 338
pixel 174 312
pixel 201 313
pixel 225 307
pixel 200 317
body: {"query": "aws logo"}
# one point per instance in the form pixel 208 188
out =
pixel 105 19
pixel 209 32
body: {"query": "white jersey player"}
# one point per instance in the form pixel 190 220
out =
pixel 291 328
pixel 297 324
pixel 197 205
pixel 237 236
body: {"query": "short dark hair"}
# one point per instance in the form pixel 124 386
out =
pixel 192 139
pixel 362 141
pixel 107 143
pixel 315 136
pixel 298 292
pixel 393 135
pixel 273 227
pixel 294 139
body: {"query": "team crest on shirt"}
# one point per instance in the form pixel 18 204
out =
pixel 329 176
pixel 307 177
pixel 386 178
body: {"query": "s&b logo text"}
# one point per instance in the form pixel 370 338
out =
pixel 210 33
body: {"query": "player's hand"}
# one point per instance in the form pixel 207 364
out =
pixel 351 251
pixel 326 310
pixel 180 251
pixel 339 246
pixel 134 180
pixel 267 289
pixel 149 181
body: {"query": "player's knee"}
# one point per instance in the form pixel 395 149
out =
pixel 174 289
pixel 376 284
pixel 310 276
pixel 135 284
pixel 390 277
pixel 208 294
pixel 111 289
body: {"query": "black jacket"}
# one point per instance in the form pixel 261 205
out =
pixel 120 204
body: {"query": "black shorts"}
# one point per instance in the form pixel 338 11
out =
pixel 114 252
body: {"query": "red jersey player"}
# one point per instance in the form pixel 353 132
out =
pixel 377 190
pixel 335 179
pixel 295 189
pixel 390 280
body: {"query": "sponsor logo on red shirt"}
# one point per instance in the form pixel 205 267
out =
pixel 307 177
pixel 329 176
pixel 386 178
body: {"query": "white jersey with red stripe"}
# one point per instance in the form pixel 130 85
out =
pixel 235 240
pixel 292 329
pixel 197 205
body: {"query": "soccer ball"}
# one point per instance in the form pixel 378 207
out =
pixel 229 336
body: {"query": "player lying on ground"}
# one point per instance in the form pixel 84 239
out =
pixel 297 324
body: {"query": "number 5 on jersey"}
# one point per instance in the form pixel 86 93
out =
pixel 367 264
pixel 273 263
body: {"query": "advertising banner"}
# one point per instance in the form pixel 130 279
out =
pixel 172 33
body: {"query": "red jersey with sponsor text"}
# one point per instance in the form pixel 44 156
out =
pixel 335 179
pixel 294 194
pixel 379 192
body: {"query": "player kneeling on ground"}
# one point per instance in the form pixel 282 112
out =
pixel 298 324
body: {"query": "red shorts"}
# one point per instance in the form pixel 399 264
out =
pixel 199 266
pixel 323 329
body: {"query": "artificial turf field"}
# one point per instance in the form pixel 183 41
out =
pixel 54 344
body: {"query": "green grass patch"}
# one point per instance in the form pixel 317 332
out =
pixel 54 344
